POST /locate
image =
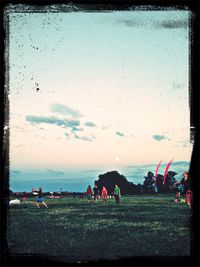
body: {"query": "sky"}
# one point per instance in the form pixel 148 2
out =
pixel 98 90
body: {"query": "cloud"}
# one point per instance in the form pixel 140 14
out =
pixel 66 123
pixel 173 24
pixel 159 138
pixel 65 110
pixel 182 163
pixel 53 172
pixel 67 135
pixel 106 127
pixel 76 129
pixel 120 134
pixel 165 24
pixel 89 171
pixel 84 138
pixel 90 124
pixel 185 143
pixel 132 23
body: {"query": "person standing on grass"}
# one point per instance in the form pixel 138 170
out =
pixel 40 198
pixel 96 193
pixel 117 193
pixel 104 194
pixel 89 194
pixel 24 198
pixel 187 186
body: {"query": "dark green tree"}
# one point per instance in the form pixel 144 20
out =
pixel 110 179
pixel 159 183
pixel 168 186
pixel 149 185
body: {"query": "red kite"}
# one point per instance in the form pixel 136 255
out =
pixel 166 170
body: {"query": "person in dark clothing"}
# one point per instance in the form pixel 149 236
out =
pixel 117 194
pixel 96 193
pixel 40 198
pixel 186 182
pixel 187 190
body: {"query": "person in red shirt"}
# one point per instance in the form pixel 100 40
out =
pixel 89 194
pixel 96 193
pixel 104 194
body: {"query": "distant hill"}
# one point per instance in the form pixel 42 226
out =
pixel 77 180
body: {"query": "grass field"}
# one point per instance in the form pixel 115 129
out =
pixel 74 230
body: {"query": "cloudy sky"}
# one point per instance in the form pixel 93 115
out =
pixel 98 89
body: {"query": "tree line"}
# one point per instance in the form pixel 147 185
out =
pixel 150 185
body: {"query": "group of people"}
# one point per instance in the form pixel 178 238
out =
pixel 40 199
pixel 183 193
pixel 184 189
pixel 104 194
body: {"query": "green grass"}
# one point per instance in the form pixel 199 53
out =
pixel 74 230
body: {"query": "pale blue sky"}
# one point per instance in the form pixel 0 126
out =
pixel 113 88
